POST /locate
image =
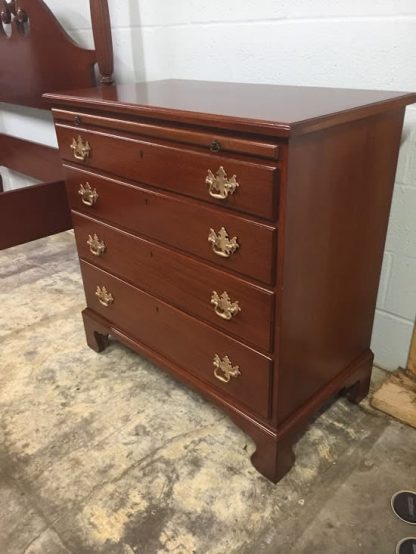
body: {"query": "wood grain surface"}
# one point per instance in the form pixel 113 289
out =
pixel 272 110
pixel 319 257
pixel 190 284
pixel 174 168
pixel 177 222
pixel 163 329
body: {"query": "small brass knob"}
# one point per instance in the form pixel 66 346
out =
pixel 81 148
pixel 221 244
pixel 89 196
pixel 224 369
pixel 215 146
pixel 224 308
pixel 219 186
pixel 97 246
pixel 104 297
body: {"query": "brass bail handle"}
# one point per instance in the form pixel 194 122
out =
pixel 81 148
pixel 104 296
pixel 224 308
pixel 225 378
pixel 219 186
pixel 221 243
pixel 97 246
pixel 89 196
pixel 224 369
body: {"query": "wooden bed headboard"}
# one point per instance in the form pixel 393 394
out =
pixel 37 55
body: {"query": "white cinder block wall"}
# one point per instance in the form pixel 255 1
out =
pixel 335 43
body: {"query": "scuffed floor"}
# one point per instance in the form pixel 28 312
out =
pixel 108 454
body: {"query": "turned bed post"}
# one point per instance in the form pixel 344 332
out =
pixel 101 28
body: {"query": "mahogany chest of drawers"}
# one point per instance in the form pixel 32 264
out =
pixel 234 234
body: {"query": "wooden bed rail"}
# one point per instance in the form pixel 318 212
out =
pixel 35 211
pixel 32 213
pixel 30 158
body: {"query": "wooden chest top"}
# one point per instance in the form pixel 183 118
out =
pixel 265 109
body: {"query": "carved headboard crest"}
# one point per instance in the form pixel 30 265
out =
pixel 9 12
pixel 37 55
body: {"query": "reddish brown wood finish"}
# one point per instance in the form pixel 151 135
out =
pixel 273 457
pixel 32 213
pixel 25 82
pixel 101 28
pixel 96 332
pixel 359 390
pixel 162 328
pixel 48 59
pixel 190 284
pixel 274 454
pixel 37 57
pixel 30 158
pixel 214 142
pixel 176 169
pixel 177 222
pixel 336 164
pixel 338 197
pixel 270 110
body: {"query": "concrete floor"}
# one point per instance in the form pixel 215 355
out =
pixel 107 454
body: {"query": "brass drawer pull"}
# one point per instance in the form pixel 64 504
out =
pixel 81 148
pixel 97 246
pixel 221 244
pixel 224 369
pixel 219 185
pixel 105 298
pixel 88 195
pixel 224 308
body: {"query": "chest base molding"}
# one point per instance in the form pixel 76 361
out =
pixel 274 454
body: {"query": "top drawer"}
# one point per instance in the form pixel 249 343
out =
pixel 206 139
pixel 242 185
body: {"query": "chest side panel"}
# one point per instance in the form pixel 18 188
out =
pixel 335 213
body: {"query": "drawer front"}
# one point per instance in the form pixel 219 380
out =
pixel 179 223
pixel 186 283
pixel 254 189
pixel 208 140
pixel 187 342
